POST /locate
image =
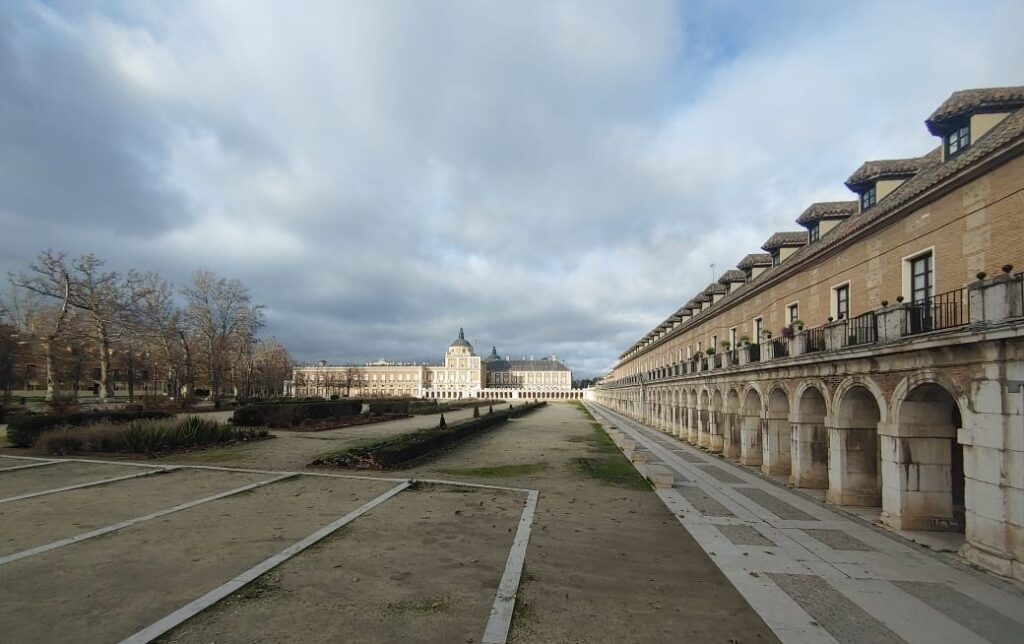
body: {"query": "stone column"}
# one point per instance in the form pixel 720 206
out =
pixel 715 441
pixel 750 439
pixel 775 457
pixel 852 463
pixel 809 454
pixel 917 471
pixel 731 436
pixel 692 428
pixel 703 428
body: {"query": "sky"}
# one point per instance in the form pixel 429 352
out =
pixel 554 176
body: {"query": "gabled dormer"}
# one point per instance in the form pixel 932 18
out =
pixel 781 245
pixel 874 180
pixel 821 217
pixel 967 115
pixel 705 301
pixel 754 264
pixel 732 280
pixel 716 291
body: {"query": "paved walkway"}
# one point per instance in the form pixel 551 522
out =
pixel 815 575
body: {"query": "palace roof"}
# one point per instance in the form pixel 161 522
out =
pixel 786 239
pixel 964 102
pixel 827 210
pixel 755 259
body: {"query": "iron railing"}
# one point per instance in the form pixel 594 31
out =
pixel 815 339
pixel 943 311
pixel 754 354
pixel 862 329
pixel 780 347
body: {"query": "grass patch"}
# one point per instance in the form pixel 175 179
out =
pixel 499 471
pixel 611 470
pixel 523 615
pixel 430 605
pixel 264 586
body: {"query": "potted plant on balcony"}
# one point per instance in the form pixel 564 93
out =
pixel 726 345
pixel 710 351
pixel 744 340
pixel 797 326
pixel 786 332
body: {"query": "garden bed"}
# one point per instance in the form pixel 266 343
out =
pixel 341 423
pixel 146 437
pixel 404 450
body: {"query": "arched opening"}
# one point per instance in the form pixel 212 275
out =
pixel 809 446
pixel 854 475
pixel 924 464
pixel 731 428
pixel 717 441
pixel 703 427
pixel 775 444
pixel 750 430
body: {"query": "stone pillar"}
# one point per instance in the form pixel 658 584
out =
pixel 891 321
pixel 731 435
pixel 693 429
pixel 809 454
pixel 703 428
pixel 798 345
pixel 715 441
pixel 993 300
pixel 917 471
pixel 853 463
pixel 836 335
pixel 750 439
pixel 776 443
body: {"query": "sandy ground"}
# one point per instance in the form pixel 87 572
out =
pixel 606 561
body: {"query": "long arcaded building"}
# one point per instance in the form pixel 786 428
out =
pixel 876 353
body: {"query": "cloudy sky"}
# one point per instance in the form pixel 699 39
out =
pixel 554 176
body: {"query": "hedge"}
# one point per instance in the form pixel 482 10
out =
pixel 23 431
pixel 390 407
pixel 293 414
pixel 401 450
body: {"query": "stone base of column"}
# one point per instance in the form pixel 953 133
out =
pixel 750 447
pixel 731 444
pixel 863 499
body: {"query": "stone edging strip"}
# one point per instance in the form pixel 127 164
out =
pixel 159 469
pixel 496 631
pixel 195 607
pixel 25 467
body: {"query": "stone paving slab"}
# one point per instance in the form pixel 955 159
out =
pixel 826 577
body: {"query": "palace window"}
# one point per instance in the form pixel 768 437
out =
pixel 793 312
pixel 758 329
pixel 814 233
pixel 921 278
pixel 867 198
pixel 776 258
pixel 842 302
pixel 958 140
pixel 732 338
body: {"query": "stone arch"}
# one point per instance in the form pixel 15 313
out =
pixel 809 438
pixel 775 444
pixel 801 389
pixel 867 383
pixel 751 420
pixel 923 482
pixel 854 451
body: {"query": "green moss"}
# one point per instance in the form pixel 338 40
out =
pixel 426 605
pixel 611 470
pixel 499 471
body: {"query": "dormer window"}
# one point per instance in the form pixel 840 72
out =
pixel 958 140
pixel 867 198
pixel 814 233
pixel 776 258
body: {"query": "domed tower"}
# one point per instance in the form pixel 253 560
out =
pixel 460 348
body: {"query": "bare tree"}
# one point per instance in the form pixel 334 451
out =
pixel 106 297
pixel 219 313
pixel 160 322
pixel 49 276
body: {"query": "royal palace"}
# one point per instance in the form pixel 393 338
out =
pixel 463 375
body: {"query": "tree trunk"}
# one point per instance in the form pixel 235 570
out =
pixel 106 388
pixel 51 380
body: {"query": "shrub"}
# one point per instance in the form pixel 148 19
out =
pixel 293 414
pixel 146 436
pixel 24 431
pixel 390 407
pixel 476 411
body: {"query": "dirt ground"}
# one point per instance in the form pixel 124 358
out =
pixel 606 561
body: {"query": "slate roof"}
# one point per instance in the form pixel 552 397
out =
pixel 526 365
pixel 755 259
pixel 827 210
pixel 891 169
pixel 964 102
pixel 780 240
pixel 714 288
pixel 461 341
pixel 735 275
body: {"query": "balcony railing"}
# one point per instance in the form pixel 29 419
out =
pixel 780 347
pixel 754 352
pixel 815 339
pixel 944 311
pixel 862 329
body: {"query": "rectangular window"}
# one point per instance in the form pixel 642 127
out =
pixel 758 329
pixel 814 234
pixel 792 313
pixel 776 258
pixel 867 198
pixel 714 342
pixel 921 278
pixel 732 338
pixel 842 298
pixel 958 140
pixel 698 348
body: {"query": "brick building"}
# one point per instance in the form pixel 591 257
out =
pixel 878 353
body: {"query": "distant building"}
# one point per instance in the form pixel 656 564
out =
pixel 463 375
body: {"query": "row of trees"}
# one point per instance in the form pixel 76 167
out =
pixel 73 313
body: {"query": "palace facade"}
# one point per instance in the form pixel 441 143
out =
pixel 462 375
pixel 876 354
